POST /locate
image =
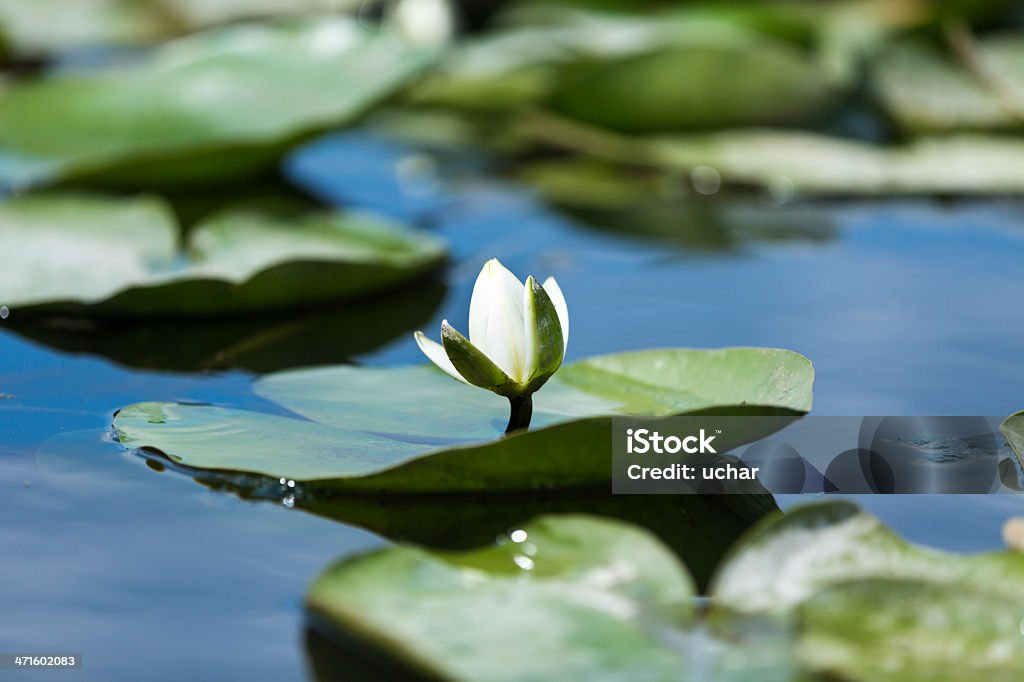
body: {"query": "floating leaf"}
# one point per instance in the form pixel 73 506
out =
pixel 1013 428
pixel 102 255
pixel 42 27
pixel 926 91
pixel 208 108
pixel 856 603
pixel 787 561
pixel 414 430
pixel 910 631
pixel 787 163
pixel 696 87
pixel 569 598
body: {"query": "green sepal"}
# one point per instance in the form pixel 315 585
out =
pixel 474 365
pixel 546 330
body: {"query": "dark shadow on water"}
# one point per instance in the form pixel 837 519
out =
pixel 259 343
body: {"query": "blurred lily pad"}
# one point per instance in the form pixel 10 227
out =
pixel 42 27
pixel 101 255
pixel 926 91
pixel 569 598
pixel 670 70
pixel 851 601
pixel 873 607
pixel 787 561
pixel 700 86
pixel 209 108
pixel 414 430
pixel 788 163
pixel 1013 428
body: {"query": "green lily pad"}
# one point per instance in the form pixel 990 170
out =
pixel 696 87
pixel 213 107
pixel 908 631
pixel 415 430
pixel 927 92
pixel 787 561
pixel 823 591
pixel 568 598
pixel 43 27
pixel 100 255
pixel 788 163
pixel 1013 428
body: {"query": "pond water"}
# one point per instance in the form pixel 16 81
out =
pixel 910 307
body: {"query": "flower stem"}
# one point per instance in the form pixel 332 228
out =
pixel 520 414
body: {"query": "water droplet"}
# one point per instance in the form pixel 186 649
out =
pixel 523 562
pixel 289 501
pixel 283 480
pixel 706 180
pixel 518 535
pixel 5 312
pixel 291 484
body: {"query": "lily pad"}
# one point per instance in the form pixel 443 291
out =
pixel 788 163
pixel 1013 428
pixel 100 255
pixel 927 92
pixel 696 87
pixel 213 107
pixel 787 561
pixel 415 430
pixel 43 27
pixel 569 598
pixel 824 590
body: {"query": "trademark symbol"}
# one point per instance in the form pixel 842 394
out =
pixel 718 431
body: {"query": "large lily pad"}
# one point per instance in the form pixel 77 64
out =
pixel 414 430
pixel 851 601
pixel 100 255
pixel 927 92
pixel 208 108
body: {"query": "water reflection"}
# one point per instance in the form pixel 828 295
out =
pixel 263 343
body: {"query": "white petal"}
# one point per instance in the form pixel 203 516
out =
pixel 435 351
pixel 496 318
pixel 558 299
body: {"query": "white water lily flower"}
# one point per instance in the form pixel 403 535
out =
pixel 518 334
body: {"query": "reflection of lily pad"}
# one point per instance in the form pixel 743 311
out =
pixel 207 108
pixel 260 343
pixel 850 600
pixel 121 256
pixel 415 430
